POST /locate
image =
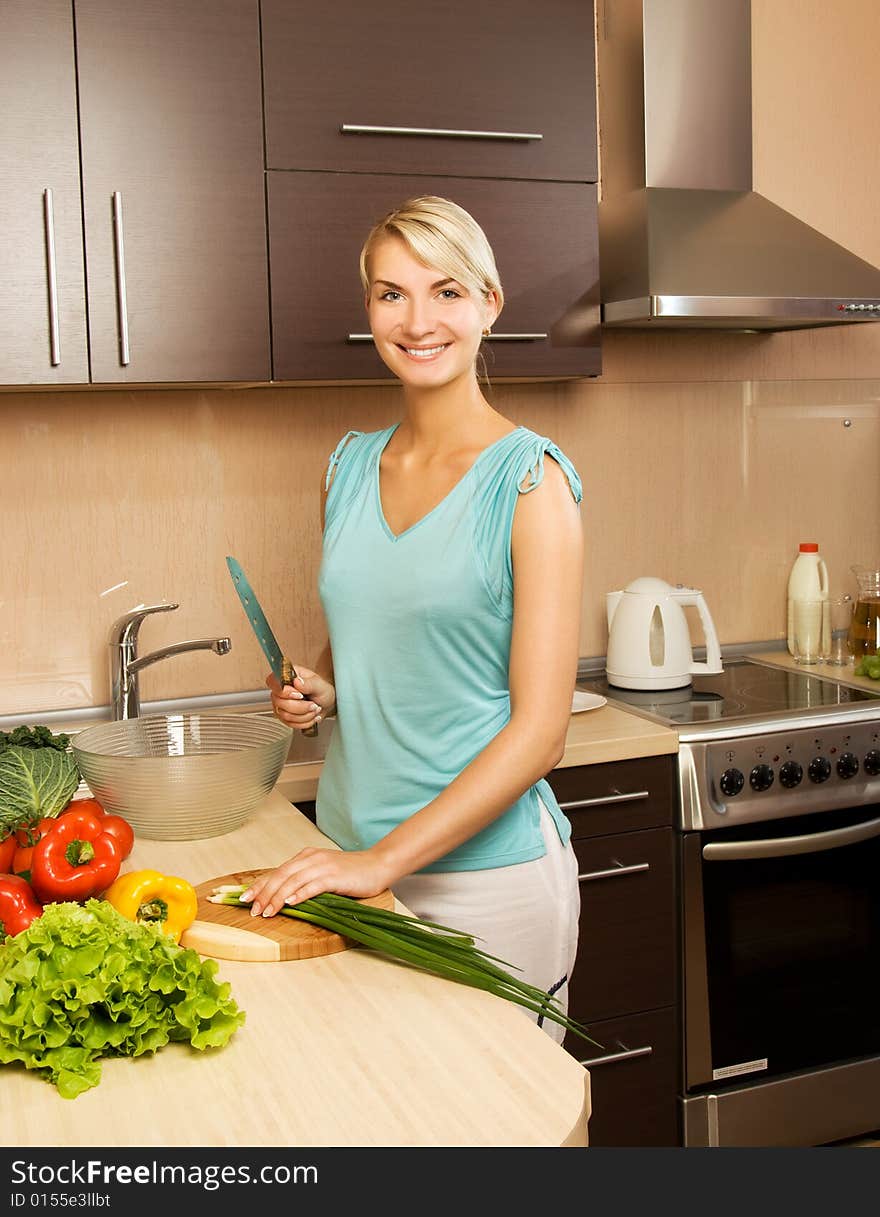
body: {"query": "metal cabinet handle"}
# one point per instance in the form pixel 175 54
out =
pixel 785 847
pixel 121 302
pixel 614 871
pixel 358 129
pixel 613 1057
pixel 52 276
pixel 631 797
pixel 488 337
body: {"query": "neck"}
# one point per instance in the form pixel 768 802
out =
pixel 436 418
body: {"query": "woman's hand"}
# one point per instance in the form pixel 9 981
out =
pixel 313 871
pixel 307 701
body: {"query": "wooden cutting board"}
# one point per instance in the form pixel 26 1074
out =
pixel 226 932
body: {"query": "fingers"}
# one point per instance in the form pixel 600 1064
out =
pixel 293 705
pixel 299 879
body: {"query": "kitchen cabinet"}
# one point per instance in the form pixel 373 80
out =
pixel 480 90
pixel 172 216
pixel 42 329
pixel 625 981
pixel 543 235
pixel 170 113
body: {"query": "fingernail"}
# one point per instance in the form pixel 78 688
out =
pixel 318 719
pixel 255 910
pixel 245 896
pixel 268 910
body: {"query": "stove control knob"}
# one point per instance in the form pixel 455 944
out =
pixel 872 762
pixel 761 777
pixel 791 774
pixel 819 769
pixel 848 765
pixel 732 782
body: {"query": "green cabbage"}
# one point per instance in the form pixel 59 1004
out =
pixel 35 781
pixel 83 982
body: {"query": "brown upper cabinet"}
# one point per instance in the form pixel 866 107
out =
pixel 464 89
pixel 172 217
pixel 543 235
pixel 42 305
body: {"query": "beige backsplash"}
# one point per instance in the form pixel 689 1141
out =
pixel 115 498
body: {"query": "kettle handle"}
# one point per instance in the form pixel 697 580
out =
pixel 712 666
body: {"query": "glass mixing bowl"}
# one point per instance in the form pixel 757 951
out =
pixel 180 777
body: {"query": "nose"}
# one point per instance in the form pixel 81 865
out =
pixel 418 320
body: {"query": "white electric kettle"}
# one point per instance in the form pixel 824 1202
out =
pixel 649 643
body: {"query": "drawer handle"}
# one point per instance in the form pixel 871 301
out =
pixel 487 338
pixel 121 301
pixel 616 869
pixel 358 129
pixel 52 273
pixel 631 797
pixel 613 1057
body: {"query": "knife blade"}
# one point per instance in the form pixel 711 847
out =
pixel 281 667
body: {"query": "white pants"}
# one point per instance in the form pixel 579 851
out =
pixel 525 914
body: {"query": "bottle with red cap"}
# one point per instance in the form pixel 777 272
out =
pixel 809 618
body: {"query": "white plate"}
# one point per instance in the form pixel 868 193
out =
pixel 586 701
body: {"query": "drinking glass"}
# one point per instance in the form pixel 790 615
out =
pixel 839 651
pixel 810 631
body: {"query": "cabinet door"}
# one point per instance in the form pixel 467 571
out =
pixel 545 242
pixel 626 942
pixel 484 71
pixel 172 163
pixel 618 796
pixel 42 308
pixel 634 1083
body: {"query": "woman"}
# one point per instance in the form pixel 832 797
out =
pixel 451 583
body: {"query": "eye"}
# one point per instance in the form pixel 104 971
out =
pixel 391 296
pixel 450 293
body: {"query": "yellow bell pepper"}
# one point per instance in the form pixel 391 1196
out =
pixel 148 896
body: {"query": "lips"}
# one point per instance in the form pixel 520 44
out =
pixel 424 353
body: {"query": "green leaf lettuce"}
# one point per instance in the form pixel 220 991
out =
pixel 83 982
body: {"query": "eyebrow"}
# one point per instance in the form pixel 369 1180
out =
pixel 398 288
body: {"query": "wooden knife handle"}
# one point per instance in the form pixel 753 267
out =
pixel 288 676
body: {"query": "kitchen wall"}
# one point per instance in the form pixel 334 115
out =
pixel 705 457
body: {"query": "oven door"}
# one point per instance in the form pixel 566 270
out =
pixel 781 936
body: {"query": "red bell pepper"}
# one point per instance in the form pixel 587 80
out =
pixel 18 905
pixel 76 859
pixel 8 846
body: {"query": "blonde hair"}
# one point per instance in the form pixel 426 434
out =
pixel 439 233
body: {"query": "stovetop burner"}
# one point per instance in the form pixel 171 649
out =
pixel 745 691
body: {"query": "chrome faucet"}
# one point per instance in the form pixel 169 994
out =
pixel 125 664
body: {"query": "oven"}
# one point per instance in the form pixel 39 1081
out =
pixel 779 883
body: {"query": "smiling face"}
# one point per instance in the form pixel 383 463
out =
pixel 427 326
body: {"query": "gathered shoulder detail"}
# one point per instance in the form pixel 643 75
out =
pixel 533 473
pixel 517 468
pixel 336 455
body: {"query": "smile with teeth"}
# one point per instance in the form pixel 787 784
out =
pixel 425 352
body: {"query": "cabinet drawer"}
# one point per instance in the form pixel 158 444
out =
pixel 634 1092
pixel 619 796
pixel 626 940
pixel 545 240
pixel 480 73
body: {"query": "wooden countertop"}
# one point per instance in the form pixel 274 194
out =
pixel 346 1050
pixel 594 736
pixel 845 675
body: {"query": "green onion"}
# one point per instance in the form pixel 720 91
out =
pixel 434 948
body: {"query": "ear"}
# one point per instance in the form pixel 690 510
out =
pixel 493 308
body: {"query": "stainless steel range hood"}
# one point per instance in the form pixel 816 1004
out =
pixel 685 242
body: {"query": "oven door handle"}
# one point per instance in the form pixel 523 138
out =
pixel 783 847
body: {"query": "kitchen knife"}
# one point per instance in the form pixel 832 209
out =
pixel 281 666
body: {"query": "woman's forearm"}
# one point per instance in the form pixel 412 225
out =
pixel 514 760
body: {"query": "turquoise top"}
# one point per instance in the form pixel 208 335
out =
pixel 420 627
